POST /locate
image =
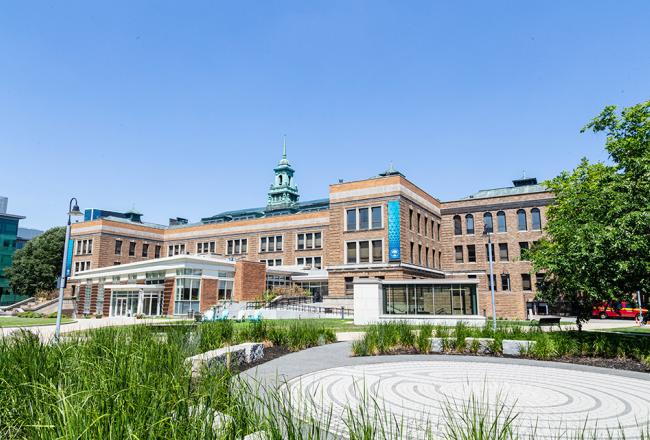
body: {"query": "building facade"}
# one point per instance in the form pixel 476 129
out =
pixel 8 243
pixel 385 227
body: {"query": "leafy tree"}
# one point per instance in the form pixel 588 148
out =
pixel 597 243
pixel 36 267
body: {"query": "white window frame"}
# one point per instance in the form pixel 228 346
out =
pixel 313 241
pixel 312 257
pixel 275 243
pixel 369 240
pixel 234 240
pixel 356 226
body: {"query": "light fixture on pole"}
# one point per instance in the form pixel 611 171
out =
pixel 488 231
pixel 73 210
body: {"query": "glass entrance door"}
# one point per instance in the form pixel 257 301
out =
pixel 124 303
pixel 120 307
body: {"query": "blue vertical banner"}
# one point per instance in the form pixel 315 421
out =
pixel 68 260
pixel 394 253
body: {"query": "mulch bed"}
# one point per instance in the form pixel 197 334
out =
pixel 270 353
pixel 615 363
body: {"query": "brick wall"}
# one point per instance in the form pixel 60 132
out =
pixel 208 293
pixel 250 280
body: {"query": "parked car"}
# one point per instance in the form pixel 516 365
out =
pixel 617 309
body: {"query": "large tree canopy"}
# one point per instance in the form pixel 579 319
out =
pixel 597 243
pixel 36 267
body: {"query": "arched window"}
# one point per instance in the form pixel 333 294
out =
pixel 537 219
pixel 521 218
pixel 501 222
pixel 469 223
pixel 458 225
pixel 487 221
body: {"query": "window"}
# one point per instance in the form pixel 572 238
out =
pixel 539 281
pixel 351 220
pixel 157 252
pixel 469 223
pixel 205 247
pixel 132 277
pixel 80 266
pixel 487 222
pixel 176 249
pixel 87 299
pixel 501 221
pixel 419 220
pixel 505 281
pixel 272 262
pixel 99 305
pixel 458 254
pixel 487 252
pixel 426 225
pixel 225 290
pixel 503 251
pixel 438 228
pixel 411 251
pixel 492 281
pixel 349 285
pixel 186 298
pixel 363 219
pixel 411 218
pixel 426 256
pixel 523 248
pixel 154 277
pixel 367 251
pixel 471 253
pixel 309 240
pixel 132 249
pixel 439 259
pixel 458 225
pixel 145 250
pixel 271 244
pixel 238 246
pixel 420 254
pixel 537 219
pixel 433 229
pixel 83 246
pixel 118 247
pixel 521 218
pixel 525 282
pixel 313 262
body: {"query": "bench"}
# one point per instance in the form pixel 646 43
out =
pixel 549 321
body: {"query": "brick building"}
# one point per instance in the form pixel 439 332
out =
pixel 383 227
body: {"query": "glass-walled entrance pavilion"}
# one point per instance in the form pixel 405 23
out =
pixel 129 301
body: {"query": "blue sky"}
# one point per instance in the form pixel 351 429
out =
pixel 178 108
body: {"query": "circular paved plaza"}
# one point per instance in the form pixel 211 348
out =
pixel 547 400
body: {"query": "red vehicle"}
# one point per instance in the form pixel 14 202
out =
pixel 617 309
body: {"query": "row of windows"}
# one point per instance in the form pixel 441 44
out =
pixel 80 266
pixel 367 251
pixel 502 226
pixel 272 262
pixel 271 244
pixel 85 246
pixel 526 284
pixel 205 247
pixel 145 249
pixel 363 219
pixel 430 228
pixel 310 240
pixel 502 256
pixel 312 262
pixel 428 259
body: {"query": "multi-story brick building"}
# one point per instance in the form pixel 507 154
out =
pixel 384 227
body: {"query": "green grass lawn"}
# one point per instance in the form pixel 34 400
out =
pixel 636 329
pixel 13 321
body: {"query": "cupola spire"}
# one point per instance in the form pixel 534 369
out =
pixel 283 193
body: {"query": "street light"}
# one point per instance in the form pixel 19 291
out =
pixel 487 231
pixel 72 211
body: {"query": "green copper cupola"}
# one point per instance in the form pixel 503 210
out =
pixel 283 193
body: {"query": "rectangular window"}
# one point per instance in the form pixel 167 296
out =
pixel 539 281
pixel 525 282
pixel 351 220
pixel 471 253
pixel 419 218
pixel 458 252
pixel 87 299
pixel 505 282
pixel 309 240
pixel 278 243
pixel 411 219
pixel 349 285
pixel 487 252
pixel 145 249
pixel 352 252
pixel 377 252
pixel 312 262
pixel 238 246
pixel 363 219
pixel 186 298
pixel 118 247
pixel 523 249
pixel 263 244
pixel 426 255
pixel 225 290
pixel 132 249
pixel 503 251
pixel 364 252
pixel 420 254
pixel 376 217
pixel 412 246
pixel 492 281
pixel 157 252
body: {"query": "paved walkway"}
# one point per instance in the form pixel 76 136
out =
pixel 46 332
pixel 418 388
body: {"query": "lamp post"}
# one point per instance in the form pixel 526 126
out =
pixel 72 210
pixel 487 231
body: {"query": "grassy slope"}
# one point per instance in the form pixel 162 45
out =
pixel 645 329
pixel 29 322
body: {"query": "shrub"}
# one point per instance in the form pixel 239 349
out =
pixel 423 344
pixel 405 334
pixel 29 314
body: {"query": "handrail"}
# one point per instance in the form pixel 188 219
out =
pixel 17 304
